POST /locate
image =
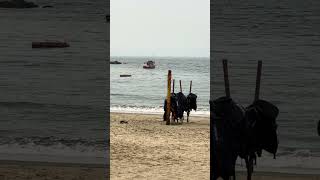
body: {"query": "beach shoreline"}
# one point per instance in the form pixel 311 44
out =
pixel 18 170
pixel 159 111
pixel 263 175
pixel 36 170
pixel 145 148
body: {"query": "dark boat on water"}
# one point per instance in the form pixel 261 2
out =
pixel 125 75
pixel 50 44
pixel 115 62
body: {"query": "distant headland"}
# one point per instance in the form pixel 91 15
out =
pixel 17 4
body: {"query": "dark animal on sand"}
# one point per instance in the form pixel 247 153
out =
pixel 191 104
pixel 240 132
pixel 173 107
pixel 123 122
pixel 180 104
pixel 228 118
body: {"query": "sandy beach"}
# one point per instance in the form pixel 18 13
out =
pixel 146 148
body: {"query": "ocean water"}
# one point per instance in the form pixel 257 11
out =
pixel 285 36
pixel 53 101
pixel 146 89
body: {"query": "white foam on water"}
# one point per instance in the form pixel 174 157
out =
pixel 153 110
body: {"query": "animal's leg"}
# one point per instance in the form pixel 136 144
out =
pixel 188 112
pixel 164 116
pixel 172 117
pixel 249 164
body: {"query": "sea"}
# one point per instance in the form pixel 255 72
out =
pixel 146 89
pixel 285 36
pixel 53 103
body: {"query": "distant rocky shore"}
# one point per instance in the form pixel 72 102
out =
pixel 17 4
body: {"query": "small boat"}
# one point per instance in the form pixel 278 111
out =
pixel 125 75
pixel 149 65
pixel 50 44
pixel 115 62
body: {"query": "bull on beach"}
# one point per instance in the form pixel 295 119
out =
pixel 180 104
pixel 241 132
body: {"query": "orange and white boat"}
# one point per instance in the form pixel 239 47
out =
pixel 149 65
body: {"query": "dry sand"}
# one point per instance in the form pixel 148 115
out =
pixel 146 148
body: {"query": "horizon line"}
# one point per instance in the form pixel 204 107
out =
pixel 166 56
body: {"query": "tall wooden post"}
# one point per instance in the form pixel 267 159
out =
pixel 168 99
pixel 258 81
pixel 190 86
pixel 173 86
pixel 180 86
pixel 226 77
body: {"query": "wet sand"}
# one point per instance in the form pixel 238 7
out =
pixel 277 176
pixel 22 170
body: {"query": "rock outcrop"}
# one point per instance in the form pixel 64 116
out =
pixel 17 4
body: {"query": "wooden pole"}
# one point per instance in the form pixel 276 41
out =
pixel 168 99
pixel 226 77
pixel 180 86
pixel 173 86
pixel 190 86
pixel 258 81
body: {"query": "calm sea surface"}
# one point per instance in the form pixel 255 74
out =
pixel 146 89
pixel 285 35
pixel 53 103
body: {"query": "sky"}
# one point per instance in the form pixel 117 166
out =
pixel 160 28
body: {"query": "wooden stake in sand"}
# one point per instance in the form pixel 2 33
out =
pixel 168 99
pixel 226 77
pixel 258 81
pixel 173 86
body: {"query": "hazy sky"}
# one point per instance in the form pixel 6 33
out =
pixel 160 28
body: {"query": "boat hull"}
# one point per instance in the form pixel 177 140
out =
pixel 146 67
pixel 50 45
